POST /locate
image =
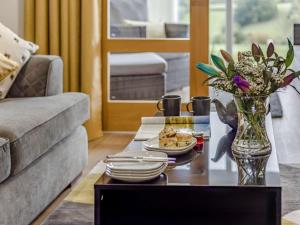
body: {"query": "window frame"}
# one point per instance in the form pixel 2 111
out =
pixel 125 115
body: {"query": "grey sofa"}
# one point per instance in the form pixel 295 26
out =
pixel 144 83
pixel 48 144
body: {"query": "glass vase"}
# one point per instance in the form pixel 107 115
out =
pixel 251 147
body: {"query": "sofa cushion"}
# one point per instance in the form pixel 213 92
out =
pixel 34 125
pixel 136 64
pixel 173 56
pixel 5 163
pixel 127 31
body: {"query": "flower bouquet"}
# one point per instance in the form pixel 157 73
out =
pixel 251 79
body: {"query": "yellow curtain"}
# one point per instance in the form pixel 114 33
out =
pixel 71 29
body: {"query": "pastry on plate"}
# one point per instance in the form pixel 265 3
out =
pixel 181 137
pixel 167 132
pixel 169 138
pixel 170 142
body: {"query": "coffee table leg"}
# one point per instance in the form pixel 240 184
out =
pixel 97 206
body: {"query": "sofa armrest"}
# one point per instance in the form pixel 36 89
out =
pixel 42 75
pixel 5 159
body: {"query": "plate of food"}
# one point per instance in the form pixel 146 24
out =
pixel 171 142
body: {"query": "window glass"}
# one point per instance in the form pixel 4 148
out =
pixel 261 20
pixel 153 19
pixel 148 75
pixel 217 25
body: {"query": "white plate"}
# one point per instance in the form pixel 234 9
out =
pixel 140 166
pixel 153 145
pixel 134 174
pixel 171 153
pixel 132 179
pixel 137 172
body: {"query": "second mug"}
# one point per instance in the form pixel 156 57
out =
pixel 200 104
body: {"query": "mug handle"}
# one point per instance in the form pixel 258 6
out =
pixel 187 107
pixel 158 103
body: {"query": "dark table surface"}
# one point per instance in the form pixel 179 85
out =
pixel 212 166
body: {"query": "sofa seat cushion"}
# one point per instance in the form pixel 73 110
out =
pixel 136 64
pixel 173 56
pixel 34 125
pixel 5 162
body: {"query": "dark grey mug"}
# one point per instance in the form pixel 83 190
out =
pixel 200 104
pixel 171 105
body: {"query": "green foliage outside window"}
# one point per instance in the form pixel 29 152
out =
pixel 255 11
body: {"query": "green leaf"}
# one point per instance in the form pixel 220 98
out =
pixel 261 53
pixel 219 63
pixel 208 79
pixel 228 58
pixel 230 71
pixel 209 70
pixel 296 74
pixel 291 70
pixel 290 55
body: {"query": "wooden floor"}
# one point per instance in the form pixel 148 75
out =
pixel 109 144
pixel 286 132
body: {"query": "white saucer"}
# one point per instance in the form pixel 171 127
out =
pixel 137 172
pixel 131 179
pixel 137 175
pixel 133 166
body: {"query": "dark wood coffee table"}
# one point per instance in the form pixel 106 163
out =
pixel 201 189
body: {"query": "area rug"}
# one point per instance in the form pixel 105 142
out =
pixel 78 207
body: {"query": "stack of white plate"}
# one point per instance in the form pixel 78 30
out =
pixel 153 145
pixel 139 166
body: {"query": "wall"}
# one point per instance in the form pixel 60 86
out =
pixel 11 15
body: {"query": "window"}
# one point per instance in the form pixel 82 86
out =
pixel 150 43
pixel 252 21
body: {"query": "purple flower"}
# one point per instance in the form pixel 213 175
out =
pixel 287 80
pixel 241 83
